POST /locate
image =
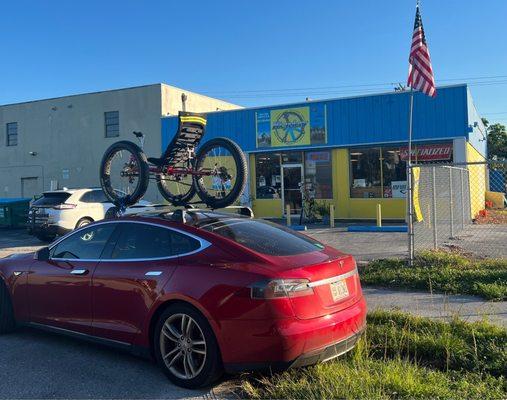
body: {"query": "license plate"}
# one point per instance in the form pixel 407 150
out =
pixel 339 290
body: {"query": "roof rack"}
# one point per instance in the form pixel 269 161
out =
pixel 180 214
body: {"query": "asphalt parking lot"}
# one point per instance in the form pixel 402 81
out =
pixel 35 364
pixel 364 246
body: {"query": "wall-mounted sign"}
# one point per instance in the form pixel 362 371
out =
pixel 428 152
pixel 399 189
pixel 297 126
pixel 318 156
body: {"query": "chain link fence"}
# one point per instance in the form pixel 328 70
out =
pixel 460 207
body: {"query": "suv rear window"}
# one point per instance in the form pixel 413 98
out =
pixel 262 236
pixel 51 199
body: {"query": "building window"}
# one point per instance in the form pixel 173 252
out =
pixel 365 172
pixel 382 171
pixel 319 172
pixel 268 181
pixel 293 157
pixel 394 173
pixel 12 134
pixel 112 123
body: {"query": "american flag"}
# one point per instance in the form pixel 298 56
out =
pixel 420 73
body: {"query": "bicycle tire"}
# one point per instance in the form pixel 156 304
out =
pixel 175 199
pixel 105 172
pixel 241 169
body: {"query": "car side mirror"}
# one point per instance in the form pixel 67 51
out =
pixel 42 254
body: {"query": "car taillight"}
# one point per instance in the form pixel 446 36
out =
pixel 277 288
pixel 64 206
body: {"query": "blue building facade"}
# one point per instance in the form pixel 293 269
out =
pixel 349 151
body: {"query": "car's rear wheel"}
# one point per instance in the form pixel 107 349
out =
pixel 186 348
pixel 83 222
pixel 7 322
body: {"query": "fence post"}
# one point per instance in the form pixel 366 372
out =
pixel 451 204
pixel 462 200
pixel 331 215
pixel 434 214
pixel 287 214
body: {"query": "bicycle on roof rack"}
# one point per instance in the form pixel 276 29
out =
pixel 216 172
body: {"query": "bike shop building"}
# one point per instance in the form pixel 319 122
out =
pixel 351 152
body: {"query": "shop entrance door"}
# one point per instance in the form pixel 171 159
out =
pixel 292 178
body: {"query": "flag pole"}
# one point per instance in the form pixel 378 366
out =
pixel 410 204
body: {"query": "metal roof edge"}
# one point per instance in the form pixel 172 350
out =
pixel 465 85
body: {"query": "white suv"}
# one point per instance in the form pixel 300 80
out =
pixel 60 211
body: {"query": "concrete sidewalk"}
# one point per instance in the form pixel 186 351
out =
pixel 440 306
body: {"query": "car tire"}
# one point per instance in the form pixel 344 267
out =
pixel 192 359
pixel 7 321
pixel 83 222
pixel 45 237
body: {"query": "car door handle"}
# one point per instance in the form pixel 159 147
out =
pixel 79 271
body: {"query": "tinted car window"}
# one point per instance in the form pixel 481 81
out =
pixel 262 236
pixel 51 199
pixel 149 241
pixel 85 244
pixel 94 196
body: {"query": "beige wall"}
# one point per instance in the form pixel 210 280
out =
pixel 68 135
pixel 171 102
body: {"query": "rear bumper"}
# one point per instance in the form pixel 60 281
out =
pixel 288 343
pixel 47 229
pixel 313 357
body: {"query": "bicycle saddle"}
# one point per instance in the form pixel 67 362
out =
pixel 138 134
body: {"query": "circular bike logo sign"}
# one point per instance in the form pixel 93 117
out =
pixel 289 127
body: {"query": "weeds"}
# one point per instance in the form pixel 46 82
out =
pixel 402 356
pixel 443 272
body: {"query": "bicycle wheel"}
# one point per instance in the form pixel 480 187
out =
pixel 178 187
pixel 221 172
pixel 124 173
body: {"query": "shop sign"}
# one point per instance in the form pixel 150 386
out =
pixel 310 167
pixel 318 156
pixel 399 189
pixel 297 126
pixel 428 152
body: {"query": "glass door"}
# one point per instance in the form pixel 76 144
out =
pixel 292 178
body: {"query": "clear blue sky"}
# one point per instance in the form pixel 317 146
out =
pixel 55 48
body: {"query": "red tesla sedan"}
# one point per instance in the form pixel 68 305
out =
pixel 202 292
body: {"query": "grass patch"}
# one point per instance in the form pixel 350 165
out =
pixel 455 345
pixel 443 272
pixel 402 356
pixel 358 378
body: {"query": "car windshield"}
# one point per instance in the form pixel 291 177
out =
pixel 51 199
pixel 262 236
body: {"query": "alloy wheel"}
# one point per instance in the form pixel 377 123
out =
pixel 183 346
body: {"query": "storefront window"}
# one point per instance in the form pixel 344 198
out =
pixel 318 172
pixel 268 181
pixel 381 171
pixel 394 173
pixel 365 172
pixel 295 157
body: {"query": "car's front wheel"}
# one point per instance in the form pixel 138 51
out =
pixel 186 348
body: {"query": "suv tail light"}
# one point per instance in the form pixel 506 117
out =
pixel 278 288
pixel 64 206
